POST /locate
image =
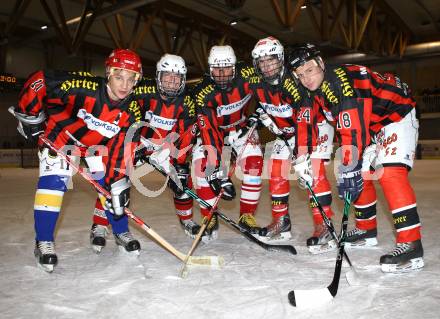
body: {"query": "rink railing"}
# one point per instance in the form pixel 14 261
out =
pixel 428 103
pixel 19 157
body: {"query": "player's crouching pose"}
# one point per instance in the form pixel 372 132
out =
pixel 80 113
pixel 360 101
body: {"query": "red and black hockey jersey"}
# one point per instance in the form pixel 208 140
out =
pixel 165 117
pixel 361 102
pixel 220 111
pixel 80 112
pixel 291 109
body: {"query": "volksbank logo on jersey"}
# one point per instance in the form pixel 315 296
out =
pixel 161 122
pixel 104 128
pixel 233 107
pixel 281 110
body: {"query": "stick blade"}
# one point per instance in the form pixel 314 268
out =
pixel 309 298
pixel 353 278
pixel 215 261
pixel 208 261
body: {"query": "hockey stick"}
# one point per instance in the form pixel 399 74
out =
pixel 327 221
pixel 184 270
pixel 227 220
pixel 352 277
pixel 196 260
pixel 313 297
pixel 244 232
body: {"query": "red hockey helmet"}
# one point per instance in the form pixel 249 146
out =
pixel 124 59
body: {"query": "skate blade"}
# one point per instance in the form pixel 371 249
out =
pixel 192 236
pixel 280 238
pixel 97 249
pixel 352 278
pixel 411 265
pixel 363 243
pixel 47 268
pixel 210 238
pixel 134 253
pixel 322 249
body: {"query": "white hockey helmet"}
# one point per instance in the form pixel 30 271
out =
pixel 170 63
pixel 269 47
pixel 222 56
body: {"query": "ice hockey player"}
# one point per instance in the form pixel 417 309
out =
pixel 168 110
pixel 222 98
pixel 375 118
pixel 285 109
pixel 76 111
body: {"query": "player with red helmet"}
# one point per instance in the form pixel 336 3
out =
pixel 82 113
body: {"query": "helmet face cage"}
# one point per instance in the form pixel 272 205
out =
pixel 276 68
pixel 222 57
pixel 269 47
pixel 170 64
pixel 166 88
pixel 222 80
pixel 124 59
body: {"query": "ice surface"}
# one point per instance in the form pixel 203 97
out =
pixel 254 283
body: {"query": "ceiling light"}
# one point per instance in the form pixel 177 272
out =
pixel 303 7
pixel 43 27
pixel 233 22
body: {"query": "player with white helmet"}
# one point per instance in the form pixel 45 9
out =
pixel 171 75
pixel 221 61
pixel 222 99
pixel 268 59
pixel 287 112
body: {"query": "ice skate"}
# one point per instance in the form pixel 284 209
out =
pixel 127 243
pixel 277 231
pixel 321 240
pixel 248 222
pixel 97 237
pixel 359 238
pixel 405 257
pixel 45 255
pixel 211 231
pixel 190 227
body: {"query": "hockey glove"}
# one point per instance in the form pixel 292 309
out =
pixel 268 122
pixel 179 182
pixel 219 182
pixel 254 119
pixel 29 126
pixel 140 157
pixel 120 197
pixel 303 168
pixel 350 180
pixel 238 138
pixel 160 159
